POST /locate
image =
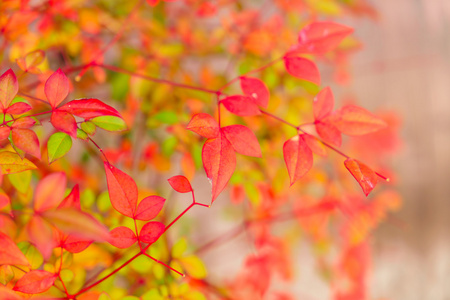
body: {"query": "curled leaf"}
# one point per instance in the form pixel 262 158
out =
pixel 298 157
pixel 364 175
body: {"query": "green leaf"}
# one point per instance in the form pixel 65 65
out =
pixel 58 145
pixel 110 123
pixel 88 127
pixel 21 181
pixel 82 135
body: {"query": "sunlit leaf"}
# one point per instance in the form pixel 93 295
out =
pixel 11 162
pixel 204 125
pixel 241 105
pixel 64 122
pixel 180 184
pixel 122 237
pixel 56 88
pixel 242 139
pixel 149 208
pixel 110 123
pixel 298 157
pixel 35 282
pixel 122 190
pixel 364 175
pixel 8 88
pixel 58 145
pixel 151 232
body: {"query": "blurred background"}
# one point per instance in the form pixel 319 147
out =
pixel 404 66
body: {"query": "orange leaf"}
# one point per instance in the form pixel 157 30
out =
pixel 8 88
pixel 302 68
pixel 219 161
pixel 323 103
pixel 10 253
pixel 35 282
pixel 365 176
pixel 204 125
pixel 298 157
pixel 329 133
pixel 241 105
pixel 355 120
pixel 242 139
pixel 64 122
pixel 26 140
pixel 50 191
pixel 315 145
pixel 180 184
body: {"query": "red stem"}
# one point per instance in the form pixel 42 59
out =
pixel 160 262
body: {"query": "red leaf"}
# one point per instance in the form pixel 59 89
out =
pixel 323 103
pixel 241 105
pixel 298 157
pixel 8 88
pixel 6 293
pixel 89 108
pixel 243 140
pixel 4 199
pixel 64 122
pixel 75 244
pixel 56 88
pixel 219 161
pixel 180 184
pixel 151 232
pixel 302 68
pixel 4 132
pixel 72 200
pixel 355 120
pixel 315 145
pixel 26 140
pixel 122 237
pixel 321 37
pixel 149 208
pixel 10 254
pixel 122 189
pixel 329 133
pixel 204 125
pixel 25 122
pixel 364 175
pixel 35 282
pixel 50 191
pixel 18 108
pixel 255 88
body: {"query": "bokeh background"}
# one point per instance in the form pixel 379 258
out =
pixel 405 66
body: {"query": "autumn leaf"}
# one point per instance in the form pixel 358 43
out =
pixel 11 162
pixel 204 125
pixel 180 184
pixel 8 88
pixel 42 235
pixel 64 122
pixel 298 157
pixel 122 237
pixel 10 254
pixel 323 103
pixel 72 200
pixel 255 88
pixel 56 88
pixel 315 145
pixel 329 133
pixel 302 68
pixel 219 161
pixel 35 282
pixel 321 37
pixel 30 61
pixel 25 122
pixel 50 191
pixel 6 293
pixel 75 244
pixel 26 140
pixel 365 176
pixel 4 132
pixel 149 208
pixel 355 120
pixel 151 232
pixel 241 105
pixel 80 224
pixel 122 189
pixel 89 108
pixel 242 139
pixel 18 108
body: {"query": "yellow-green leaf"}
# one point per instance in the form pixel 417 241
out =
pixel 58 145
pixel 110 123
pixel 21 181
pixel 11 162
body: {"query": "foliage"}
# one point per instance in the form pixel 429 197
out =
pixel 231 87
